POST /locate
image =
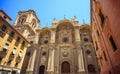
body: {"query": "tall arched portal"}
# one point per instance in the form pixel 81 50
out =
pixel 65 33
pixel 65 67
pixel 42 69
pixel 45 36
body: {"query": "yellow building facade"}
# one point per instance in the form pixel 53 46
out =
pixel 13 46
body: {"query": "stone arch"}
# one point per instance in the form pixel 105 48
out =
pixel 64 30
pixel 85 27
pixel 33 23
pixel 42 69
pixel 45 36
pixel 22 19
pixel 85 33
pixel 65 68
pixel 65 20
pixel 91 68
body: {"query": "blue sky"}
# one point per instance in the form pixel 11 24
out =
pixel 46 10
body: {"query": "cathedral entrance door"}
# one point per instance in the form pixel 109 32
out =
pixel 41 69
pixel 65 68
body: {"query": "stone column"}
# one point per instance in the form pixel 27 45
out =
pixel 37 37
pixel 53 36
pixel 50 67
pixel 77 34
pixel 31 63
pixel 49 61
pixel 33 60
pixel 80 62
pixel 52 63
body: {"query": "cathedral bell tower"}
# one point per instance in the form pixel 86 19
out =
pixel 27 23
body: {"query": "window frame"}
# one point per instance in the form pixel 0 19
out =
pixel 4 28
pixel 113 43
pixel 12 33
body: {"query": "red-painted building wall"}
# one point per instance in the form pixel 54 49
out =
pixel 106 36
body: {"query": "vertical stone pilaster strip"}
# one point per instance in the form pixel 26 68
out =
pixel 77 35
pixel 33 61
pixel 49 61
pixel 29 64
pixel 52 36
pixel 52 63
pixel 80 62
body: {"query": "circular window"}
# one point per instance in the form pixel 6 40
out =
pixel 88 52
pixel 44 53
pixel 28 53
pixel 86 39
pixel 46 41
pixel 65 39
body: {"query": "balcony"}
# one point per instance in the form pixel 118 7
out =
pixel 11 56
pixel 2 34
pixel 17 43
pixel 22 47
pixel 10 39
pixel 18 59
pixel 3 53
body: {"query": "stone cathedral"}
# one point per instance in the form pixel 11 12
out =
pixel 64 48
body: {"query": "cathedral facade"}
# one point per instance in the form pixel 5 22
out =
pixel 64 48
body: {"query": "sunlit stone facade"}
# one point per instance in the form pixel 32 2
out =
pixel 64 48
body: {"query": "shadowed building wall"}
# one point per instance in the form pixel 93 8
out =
pixel 105 22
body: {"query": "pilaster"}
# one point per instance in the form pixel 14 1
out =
pixel 81 68
pixel 53 32
pixel 31 63
pixel 77 34
pixel 50 67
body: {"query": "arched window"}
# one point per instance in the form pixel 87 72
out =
pixel 22 19
pixel 91 68
pixel 65 67
pixel 86 39
pixel 28 53
pixel 33 23
pixel 65 32
pixel 42 69
pixel 44 37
